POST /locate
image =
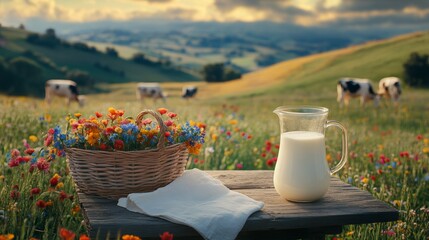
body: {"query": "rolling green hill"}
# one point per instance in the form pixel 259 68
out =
pixel 56 61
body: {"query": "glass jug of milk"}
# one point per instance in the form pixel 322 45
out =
pixel 302 173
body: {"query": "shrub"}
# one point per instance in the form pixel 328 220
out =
pixel 416 70
pixel 217 72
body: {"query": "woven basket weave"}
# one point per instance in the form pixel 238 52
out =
pixel 116 174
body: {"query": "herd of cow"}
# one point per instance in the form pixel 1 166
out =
pixel 388 87
pixel 346 88
pixel 68 90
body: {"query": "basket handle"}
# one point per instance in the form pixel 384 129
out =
pixel 162 127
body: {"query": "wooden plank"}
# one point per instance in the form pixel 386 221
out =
pixel 342 205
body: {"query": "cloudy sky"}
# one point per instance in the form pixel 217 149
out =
pixel 360 13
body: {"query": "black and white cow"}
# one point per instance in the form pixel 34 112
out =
pixel 150 90
pixel 189 92
pixel 63 88
pixel 355 88
pixel 390 87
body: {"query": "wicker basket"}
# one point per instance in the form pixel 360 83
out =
pixel 116 174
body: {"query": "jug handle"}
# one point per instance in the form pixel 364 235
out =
pixel 343 160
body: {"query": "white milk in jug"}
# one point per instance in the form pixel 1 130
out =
pixel 302 173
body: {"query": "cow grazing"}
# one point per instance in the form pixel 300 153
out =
pixel 390 87
pixel 189 92
pixel 63 88
pixel 150 90
pixel 355 88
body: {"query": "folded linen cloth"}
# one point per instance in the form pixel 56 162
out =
pixel 197 200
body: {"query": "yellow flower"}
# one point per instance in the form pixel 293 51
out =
pixel 365 180
pixel 380 147
pixel 57 176
pixel 426 141
pixel 228 152
pixel 9 236
pixel 60 185
pixel 1 177
pixel 118 129
pixel 233 121
pixel 33 138
pixel 397 203
pixel 214 137
pixel 48 117
pixel 350 233
pixel 426 150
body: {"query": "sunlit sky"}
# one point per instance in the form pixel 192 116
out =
pixel 300 12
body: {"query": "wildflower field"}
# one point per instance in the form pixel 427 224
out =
pixel 388 156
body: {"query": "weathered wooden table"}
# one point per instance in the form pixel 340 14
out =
pixel 342 205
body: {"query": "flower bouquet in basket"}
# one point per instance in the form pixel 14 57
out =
pixel 115 155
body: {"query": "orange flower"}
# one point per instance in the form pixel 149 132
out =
pixel 98 115
pixel 84 237
pixel 162 111
pixel 78 115
pixel 166 236
pixel 9 236
pixel 66 234
pixel 75 210
pixel 112 111
pixel 130 237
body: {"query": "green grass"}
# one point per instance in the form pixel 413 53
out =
pixel 403 182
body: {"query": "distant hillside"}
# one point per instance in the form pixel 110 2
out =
pixel 58 61
pixel 319 73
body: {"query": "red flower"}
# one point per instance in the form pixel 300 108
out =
pixel 13 163
pixel 167 134
pixel 419 137
pixel 162 111
pixel 51 131
pixel 67 234
pixel 120 112
pixel 53 182
pixel 166 236
pixel 48 140
pixel 63 195
pixel 29 151
pixel 41 204
pixel 263 155
pixel 15 153
pixel 239 166
pixel 271 161
pixel 228 133
pixel 119 144
pixel 171 115
pixel 249 137
pixel 147 121
pixel 98 115
pixel 103 147
pixel 14 194
pixel 168 123
pixel 35 191
pixel 373 178
pixel 404 154
pixel 42 164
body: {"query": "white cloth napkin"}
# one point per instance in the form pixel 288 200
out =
pixel 197 200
